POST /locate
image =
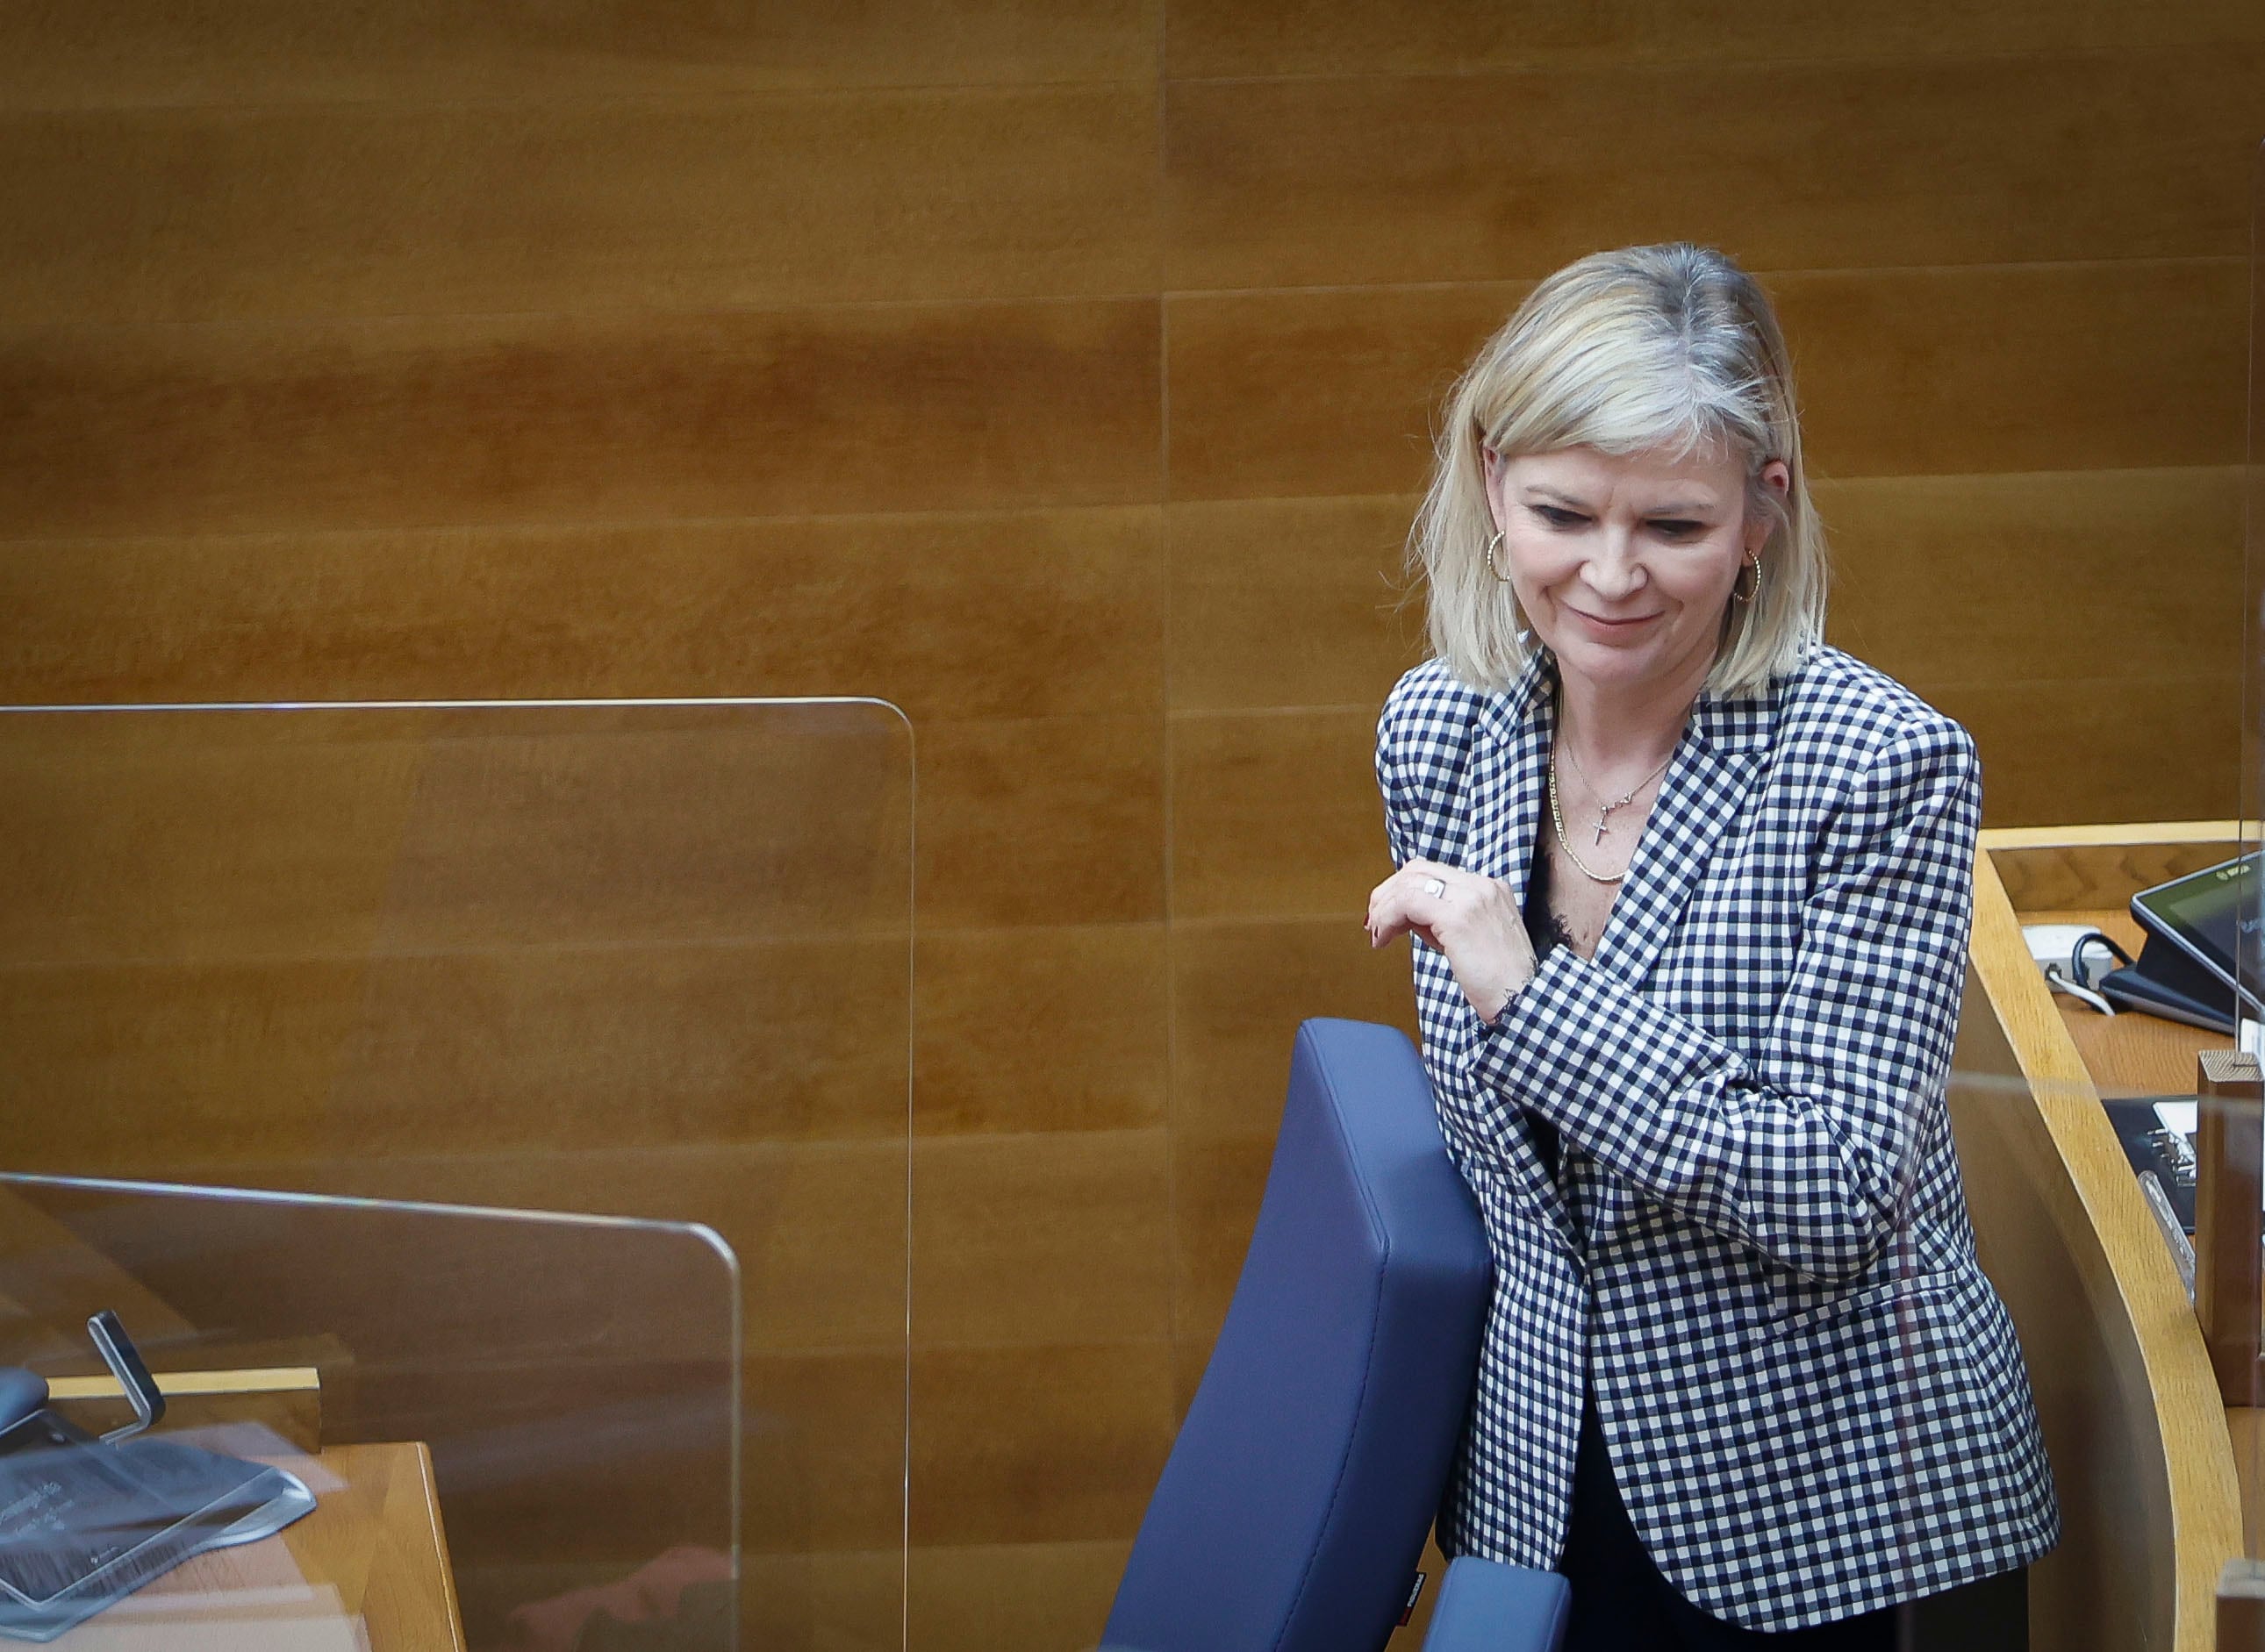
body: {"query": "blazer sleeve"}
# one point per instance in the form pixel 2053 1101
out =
pixel 1800 1148
pixel 1422 746
pixel 1387 787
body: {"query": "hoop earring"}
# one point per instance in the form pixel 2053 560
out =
pixel 1755 559
pixel 1493 567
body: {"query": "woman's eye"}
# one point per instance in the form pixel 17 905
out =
pixel 1556 516
pixel 1676 528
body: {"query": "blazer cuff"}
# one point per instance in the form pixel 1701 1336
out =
pixel 1578 1042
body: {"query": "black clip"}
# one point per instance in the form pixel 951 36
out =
pixel 124 1362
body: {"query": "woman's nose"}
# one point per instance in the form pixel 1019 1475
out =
pixel 1614 572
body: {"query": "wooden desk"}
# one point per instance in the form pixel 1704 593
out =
pixel 2143 1055
pixel 2139 1442
pixel 372 1550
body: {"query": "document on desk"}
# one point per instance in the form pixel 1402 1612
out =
pixel 85 1523
pixel 256 1443
pixel 302 1618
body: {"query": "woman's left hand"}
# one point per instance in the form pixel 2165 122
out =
pixel 1475 920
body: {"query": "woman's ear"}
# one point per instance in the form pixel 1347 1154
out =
pixel 1777 477
pixel 1491 464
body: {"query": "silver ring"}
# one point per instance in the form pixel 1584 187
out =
pixel 1434 888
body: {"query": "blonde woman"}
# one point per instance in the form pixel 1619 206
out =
pixel 1691 892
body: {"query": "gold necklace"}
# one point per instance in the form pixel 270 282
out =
pixel 1557 820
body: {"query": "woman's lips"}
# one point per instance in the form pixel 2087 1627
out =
pixel 1613 625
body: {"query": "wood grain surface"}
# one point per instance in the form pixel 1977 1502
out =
pixel 2137 1433
pixel 369 1565
pixel 1064 371
pixel 1478 174
pixel 1238 38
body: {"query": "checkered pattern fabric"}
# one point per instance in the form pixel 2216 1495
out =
pixel 1755 1248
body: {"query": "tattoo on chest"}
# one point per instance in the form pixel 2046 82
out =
pixel 1578 908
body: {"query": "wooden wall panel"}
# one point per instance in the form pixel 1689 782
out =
pixel 831 1395
pixel 853 1592
pixel 2067 750
pixel 172 215
pixel 1041 823
pixel 1369 178
pixel 1240 989
pixel 1092 1428
pixel 156 837
pixel 1217 1187
pixel 953 618
pixel 1943 578
pixel 238 851
pixel 259 1060
pixel 1927 372
pixel 594 417
pixel 1057 1237
pixel 1064 370
pixel 1299 393
pixel 818 1226
pixel 1275 814
pixel 1270 38
pixel 978 1599
pixel 236 52
pixel 1903 372
pixel 1283 602
pixel 452 1051
pixel 176 1051
pixel 1086 1047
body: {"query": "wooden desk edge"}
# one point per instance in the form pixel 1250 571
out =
pixel 413 1603
pixel 266 1380
pixel 2204 1492
pixel 2097 836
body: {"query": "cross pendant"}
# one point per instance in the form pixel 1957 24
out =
pixel 1601 814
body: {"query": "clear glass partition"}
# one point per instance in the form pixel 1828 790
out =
pixel 649 960
pixel 516 1428
pixel 2248 1429
pixel 2107 1115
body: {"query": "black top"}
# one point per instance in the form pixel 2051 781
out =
pixel 1543 926
pixel 1548 931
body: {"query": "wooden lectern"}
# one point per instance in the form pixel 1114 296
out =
pixel 367 1568
pixel 2241 1607
pixel 2230 1281
pixel 2229 1227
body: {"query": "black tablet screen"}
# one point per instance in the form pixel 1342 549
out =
pixel 2213 912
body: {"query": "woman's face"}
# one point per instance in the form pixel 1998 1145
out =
pixel 1623 566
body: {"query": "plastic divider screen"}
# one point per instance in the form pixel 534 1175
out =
pixel 2104 1157
pixel 2249 1437
pixel 2083 1385
pixel 1901 1365
pixel 523 1423
pixel 642 959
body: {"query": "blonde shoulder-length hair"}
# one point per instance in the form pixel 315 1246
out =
pixel 1670 346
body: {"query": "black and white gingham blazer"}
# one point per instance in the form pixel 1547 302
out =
pixel 1756 1247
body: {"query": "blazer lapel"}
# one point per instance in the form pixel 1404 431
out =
pixel 1724 749
pixel 1510 769
pixel 1508 772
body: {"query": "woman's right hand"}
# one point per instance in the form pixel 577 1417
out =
pixel 1475 920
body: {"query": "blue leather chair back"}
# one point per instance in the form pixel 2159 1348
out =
pixel 1294 1505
